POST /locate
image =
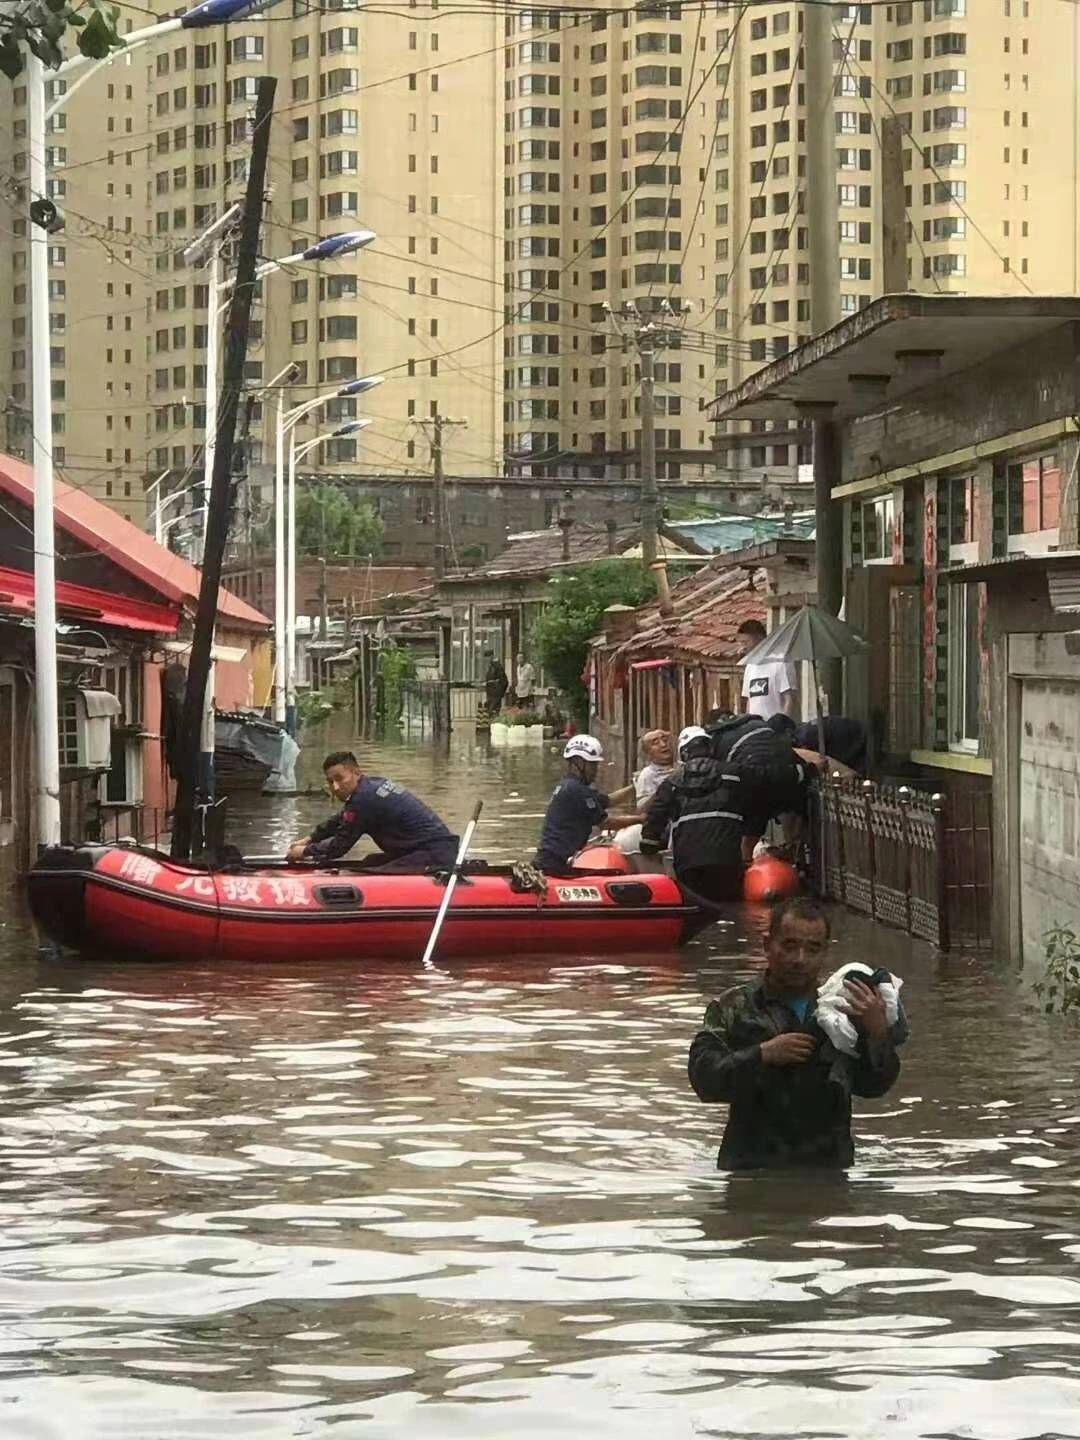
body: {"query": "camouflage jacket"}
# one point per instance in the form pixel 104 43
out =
pixel 781 1114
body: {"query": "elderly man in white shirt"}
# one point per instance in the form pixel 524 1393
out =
pixel 771 687
pixel 524 681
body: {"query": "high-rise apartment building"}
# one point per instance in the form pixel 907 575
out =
pixel 381 122
pixel 658 156
pixel 529 175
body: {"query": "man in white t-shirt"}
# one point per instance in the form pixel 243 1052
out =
pixel 771 688
pixel 524 681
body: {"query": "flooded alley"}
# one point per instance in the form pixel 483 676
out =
pixel 482 1202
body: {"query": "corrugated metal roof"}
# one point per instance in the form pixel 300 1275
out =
pixel 731 532
pixel 102 529
pixel 83 602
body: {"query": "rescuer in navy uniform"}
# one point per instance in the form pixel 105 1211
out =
pixel 410 836
pixel 575 809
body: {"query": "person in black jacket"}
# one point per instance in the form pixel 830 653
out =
pixel 701 805
pixel 496 683
pixel 788 1089
pixel 772 776
pixel 410 836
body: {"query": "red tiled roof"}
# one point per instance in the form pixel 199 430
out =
pixel 83 602
pixel 710 605
pixel 95 525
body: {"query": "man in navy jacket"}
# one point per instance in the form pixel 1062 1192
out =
pixel 409 835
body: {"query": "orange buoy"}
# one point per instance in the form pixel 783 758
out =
pixel 601 857
pixel 770 878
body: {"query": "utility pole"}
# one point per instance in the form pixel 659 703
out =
pixel 648 335
pixel 650 499
pixel 438 493
pixel 824 226
pixel 218 505
pixel 894 280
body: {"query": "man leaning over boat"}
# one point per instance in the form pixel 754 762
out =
pixel 410 837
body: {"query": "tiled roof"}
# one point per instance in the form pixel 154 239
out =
pixel 540 550
pixel 92 523
pixel 709 605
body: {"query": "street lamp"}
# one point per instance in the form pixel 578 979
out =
pixel 297 453
pixel 287 420
pixel 46 222
pixel 329 247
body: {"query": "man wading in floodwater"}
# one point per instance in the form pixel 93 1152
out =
pixel 789 1091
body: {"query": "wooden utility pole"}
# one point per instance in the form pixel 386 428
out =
pixel 438 488
pixel 218 505
pixel 824 226
pixel 894 280
pixel 650 500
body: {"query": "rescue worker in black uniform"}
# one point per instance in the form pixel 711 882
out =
pixel 410 837
pixel 701 805
pixel 575 809
pixel 773 779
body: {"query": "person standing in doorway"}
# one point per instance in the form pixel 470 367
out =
pixel 524 682
pixel 496 682
pixel 770 687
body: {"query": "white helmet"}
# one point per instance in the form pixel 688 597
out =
pixel 688 735
pixel 583 747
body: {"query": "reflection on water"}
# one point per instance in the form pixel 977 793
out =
pixel 481 1203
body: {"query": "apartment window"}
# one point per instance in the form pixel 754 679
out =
pixel 341 327
pixel 300 48
pixel 848 194
pixel 246 47
pixel 949 44
pixel 339 202
pixel 339 122
pixel 245 87
pixel 340 41
pixel 1034 501
pixel 941 155
pixel 338 82
pixel 964 665
pixel 879 526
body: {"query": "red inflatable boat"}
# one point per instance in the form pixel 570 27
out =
pixel 112 901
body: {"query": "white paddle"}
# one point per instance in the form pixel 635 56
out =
pixel 463 850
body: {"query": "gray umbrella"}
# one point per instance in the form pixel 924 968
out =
pixel 812 635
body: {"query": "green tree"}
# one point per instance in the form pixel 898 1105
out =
pixel 42 25
pixel 348 528
pixel 578 599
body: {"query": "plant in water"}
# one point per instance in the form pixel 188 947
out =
pixel 1059 988
pixel 396 665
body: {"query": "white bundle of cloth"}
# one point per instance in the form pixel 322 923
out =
pixel 832 1012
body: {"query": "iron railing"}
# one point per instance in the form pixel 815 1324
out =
pixel 919 862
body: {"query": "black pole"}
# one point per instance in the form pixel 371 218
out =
pixel 217 517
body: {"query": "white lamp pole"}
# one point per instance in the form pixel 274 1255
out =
pixel 47 779
pixel 47 718
pixel 287 422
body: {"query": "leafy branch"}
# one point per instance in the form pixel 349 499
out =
pixel 1059 988
pixel 41 25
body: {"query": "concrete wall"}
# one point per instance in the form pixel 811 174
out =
pixel 1017 389
pixel 1026 641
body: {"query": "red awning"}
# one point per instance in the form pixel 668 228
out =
pixel 78 604
pixel 649 664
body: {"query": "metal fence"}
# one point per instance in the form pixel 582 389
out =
pixel 425 705
pixel 917 861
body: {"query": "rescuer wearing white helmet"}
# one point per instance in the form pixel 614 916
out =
pixel 702 808
pixel 575 809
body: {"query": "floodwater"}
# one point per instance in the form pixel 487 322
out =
pixel 481 1203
